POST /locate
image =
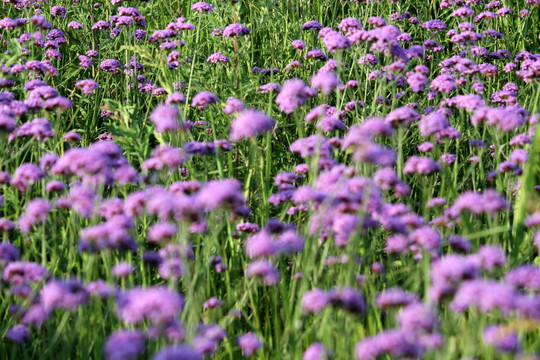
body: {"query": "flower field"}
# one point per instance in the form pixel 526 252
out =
pixel 259 179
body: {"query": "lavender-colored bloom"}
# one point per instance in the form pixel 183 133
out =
pixel 486 295
pixel 312 25
pixel 403 115
pixel 293 95
pixel 165 118
pixel 177 352
pixel 19 333
pixel 397 343
pixel 488 202
pixel 235 30
pixel 233 105
pixel 316 351
pixel 349 299
pixel 260 244
pixel 35 213
pixel 417 318
pixel 161 231
pixel 524 276
pixel 122 269
pixel 201 7
pixel 212 303
pixel 100 25
pixel 490 257
pixel 395 297
pixel 110 65
pixel 39 128
pixel 263 269
pixel 250 123
pixel 22 272
pixel 501 339
pixel 8 253
pixel 203 99
pixel 124 345
pixel 315 300
pixel 157 304
pixel 432 124
pixel 87 86
pixel 40 22
pixel 298 45
pixel 334 41
pixel 420 165
pixel 249 343
pixel 74 25
pixel 64 294
pixel 325 82
pixel 26 175
pixel 218 58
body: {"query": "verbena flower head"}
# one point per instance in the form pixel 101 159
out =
pixel 250 123
pixel 235 30
pixel 124 344
pixel 201 7
pixel 165 118
pixel 203 99
pixel 293 95
pixel 157 304
pixel 249 343
pixel 325 82
pixel 64 294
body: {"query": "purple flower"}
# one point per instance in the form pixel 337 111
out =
pixel 334 41
pixel 250 123
pixel 325 82
pixel 315 300
pixel 312 25
pixel 293 95
pixel 524 276
pixel 39 128
pixel 26 175
pixel 36 212
pixel 218 58
pixel 395 297
pixel 417 318
pixel 8 252
pixel 64 294
pixel 122 269
pixel 212 303
pixel 165 118
pixel 233 105
pixel 124 345
pixel 177 352
pixel 502 339
pixel 235 30
pixel 110 65
pixel 74 25
pixel 349 299
pixel 87 86
pixel 316 351
pixel 420 165
pixel 100 25
pixel 263 269
pixel 161 231
pixel 397 343
pixel 18 333
pixel 203 99
pixel 157 304
pixel 432 123
pixel 403 115
pixel 21 272
pixel 249 343
pixel 298 45
pixel 486 295
pixel 201 7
